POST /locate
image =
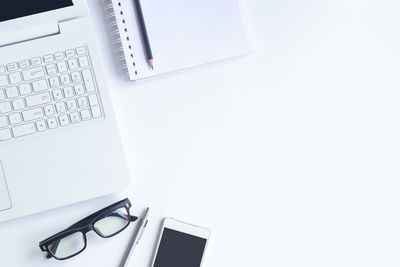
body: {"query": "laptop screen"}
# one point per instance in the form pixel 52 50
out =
pixel 13 9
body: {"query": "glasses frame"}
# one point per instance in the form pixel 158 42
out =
pixel 86 225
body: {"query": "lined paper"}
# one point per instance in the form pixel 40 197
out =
pixel 182 33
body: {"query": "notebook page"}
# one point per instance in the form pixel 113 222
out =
pixel 186 33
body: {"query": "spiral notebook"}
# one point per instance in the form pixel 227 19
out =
pixel 182 33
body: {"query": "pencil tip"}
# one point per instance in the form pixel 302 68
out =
pixel 151 63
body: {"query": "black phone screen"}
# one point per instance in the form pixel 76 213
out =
pixel 179 249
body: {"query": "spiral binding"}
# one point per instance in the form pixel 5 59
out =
pixel 118 43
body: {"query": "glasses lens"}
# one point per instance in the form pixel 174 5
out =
pixel 67 246
pixel 112 222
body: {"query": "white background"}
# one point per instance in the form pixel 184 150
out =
pixel 291 155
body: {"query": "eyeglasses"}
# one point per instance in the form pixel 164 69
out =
pixel 106 223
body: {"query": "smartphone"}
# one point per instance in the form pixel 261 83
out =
pixel 180 244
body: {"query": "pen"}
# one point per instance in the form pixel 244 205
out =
pixel 135 238
pixel 143 30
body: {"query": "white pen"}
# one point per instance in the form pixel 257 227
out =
pixel 135 238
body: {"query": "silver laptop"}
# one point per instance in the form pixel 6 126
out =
pixel 59 141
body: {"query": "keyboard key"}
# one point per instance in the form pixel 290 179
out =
pixel 88 79
pixel 94 106
pixel 18 104
pixel 51 69
pixel 24 64
pixel 12 92
pixel 48 58
pixel 33 114
pixel 41 126
pixel 2 69
pixel 54 82
pixel 71 105
pixel 73 64
pixel 82 102
pixel 76 77
pixel 5 107
pixel 60 107
pixel 25 89
pixel 52 122
pixel 49 110
pixel 2 95
pixel 3 121
pixel 38 99
pixel 69 53
pixel 57 95
pixel 32 74
pixel 3 80
pixel 25 129
pixel 65 79
pixel 81 50
pixel 39 86
pixel 93 100
pixel 12 67
pixel 5 134
pixel 68 92
pixel 59 55
pixel 62 66
pixel 75 117
pixel 84 62
pixel 64 121
pixel 15 77
pixel 36 61
pixel 15 118
pixel 85 114
pixel 79 89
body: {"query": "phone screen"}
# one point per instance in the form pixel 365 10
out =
pixel 179 249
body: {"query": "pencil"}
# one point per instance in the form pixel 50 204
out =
pixel 143 30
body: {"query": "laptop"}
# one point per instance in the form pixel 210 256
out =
pixel 59 141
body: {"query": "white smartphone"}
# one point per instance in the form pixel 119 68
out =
pixel 180 244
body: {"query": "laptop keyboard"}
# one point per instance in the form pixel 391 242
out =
pixel 47 92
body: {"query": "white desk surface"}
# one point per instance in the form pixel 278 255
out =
pixel 291 155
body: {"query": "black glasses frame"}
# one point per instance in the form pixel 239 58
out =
pixel 85 225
